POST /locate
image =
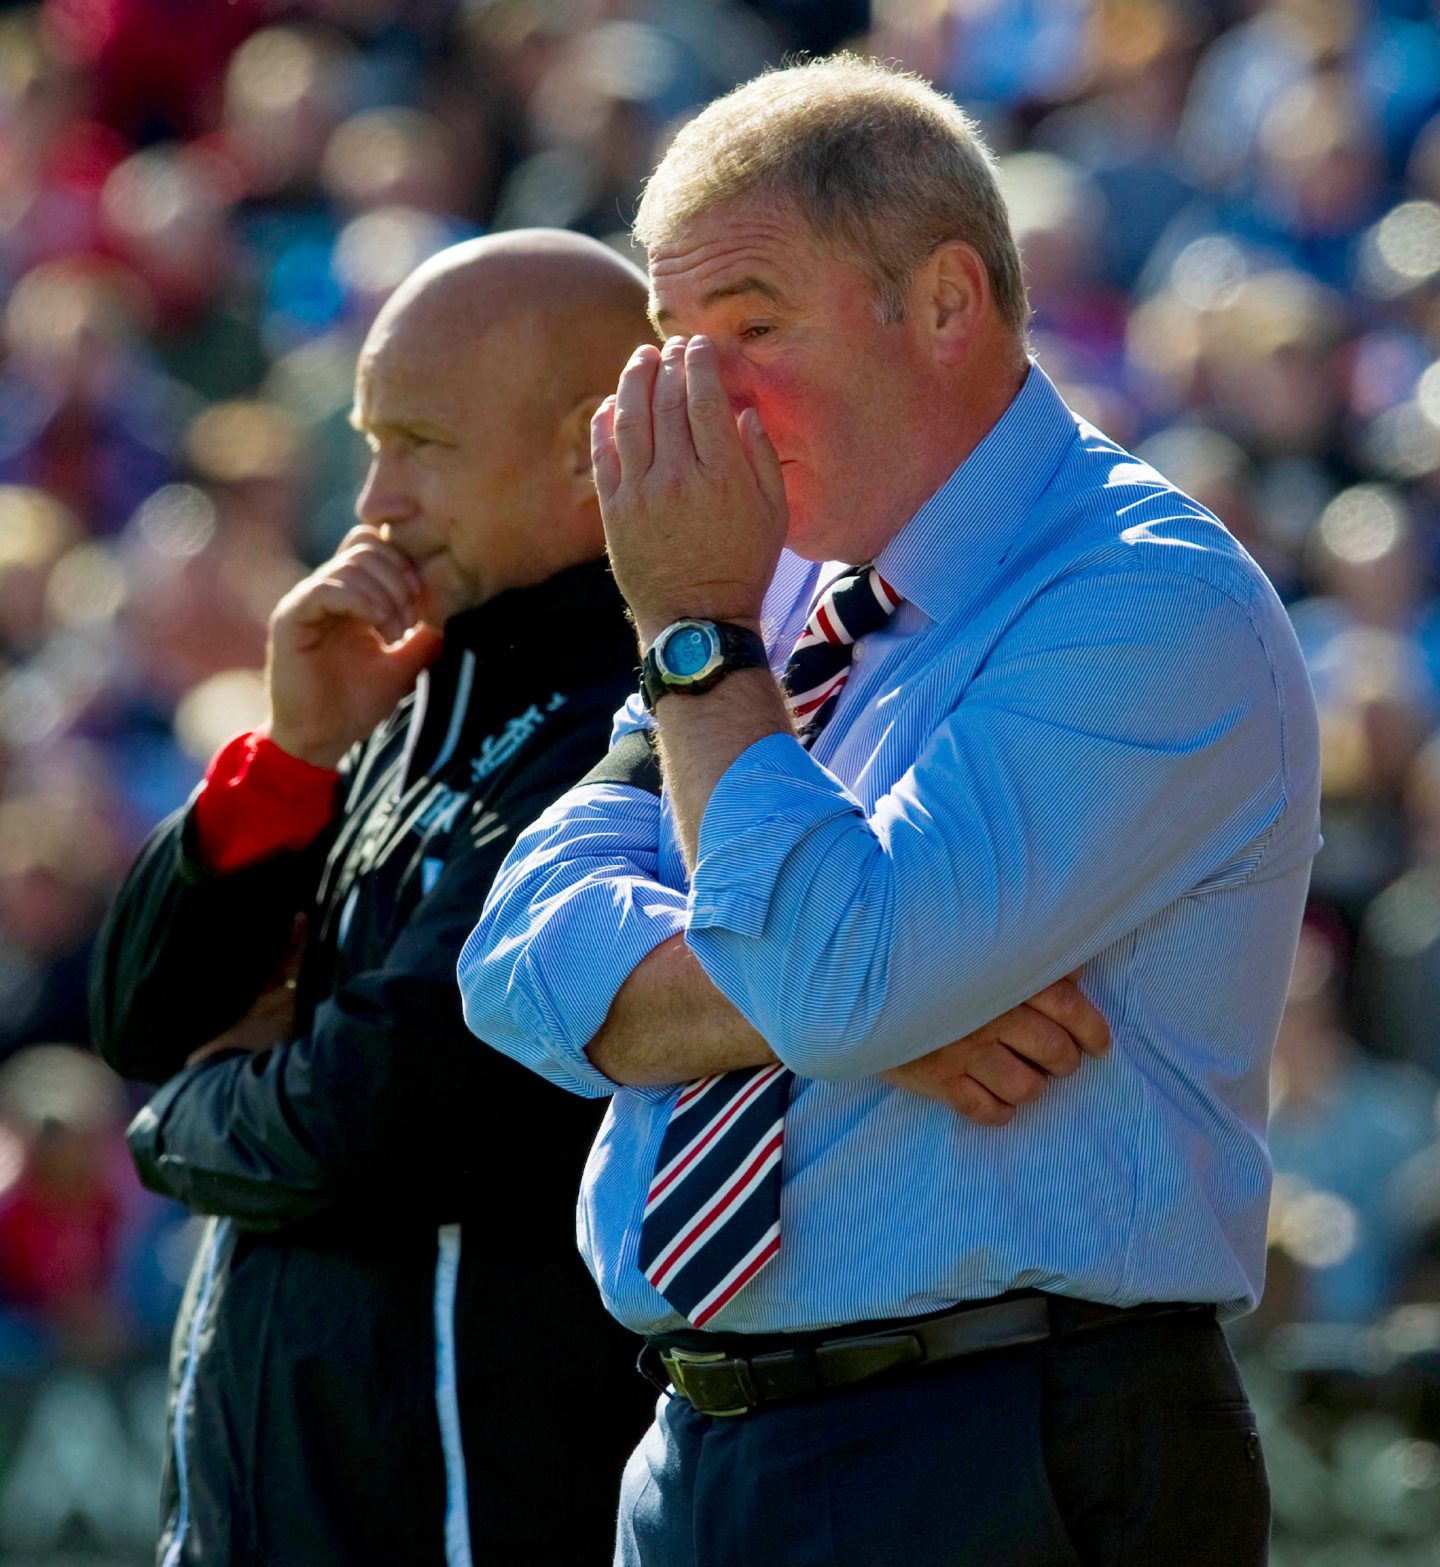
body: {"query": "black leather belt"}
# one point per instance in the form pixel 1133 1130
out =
pixel 732 1375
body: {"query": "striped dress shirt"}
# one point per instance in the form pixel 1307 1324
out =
pixel 1085 738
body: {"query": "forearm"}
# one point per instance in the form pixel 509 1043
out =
pixel 213 1140
pixel 183 953
pixel 353 1119
pixel 669 1024
pixel 860 936
pixel 574 911
pixel 702 736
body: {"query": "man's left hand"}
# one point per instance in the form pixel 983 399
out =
pixel 990 1074
pixel 693 498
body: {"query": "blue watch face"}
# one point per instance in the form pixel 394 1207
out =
pixel 687 652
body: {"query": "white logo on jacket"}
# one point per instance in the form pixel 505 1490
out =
pixel 498 749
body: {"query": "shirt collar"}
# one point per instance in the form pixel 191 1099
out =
pixel 952 547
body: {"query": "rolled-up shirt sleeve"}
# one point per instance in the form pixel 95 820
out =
pixel 576 906
pixel 1117 749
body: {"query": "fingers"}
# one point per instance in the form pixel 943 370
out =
pixel 763 461
pixel 388 565
pixel 976 1103
pixel 1006 1076
pixel 347 589
pixel 1037 1038
pixel 367 580
pixel 712 426
pixel 417 650
pixel 361 533
pixel 633 429
pixel 604 459
pixel 669 404
pixel 943 1077
pixel 337 596
pixel 387 611
pixel 1065 1004
pixel 988 1075
pixel 397 585
pixel 672 405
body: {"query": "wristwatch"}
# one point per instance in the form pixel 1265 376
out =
pixel 691 656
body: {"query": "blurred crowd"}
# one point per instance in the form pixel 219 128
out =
pixel 1230 217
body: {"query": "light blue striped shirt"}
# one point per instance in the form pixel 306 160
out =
pixel 1086 737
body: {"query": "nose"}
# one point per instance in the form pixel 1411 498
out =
pixel 384 497
pixel 736 379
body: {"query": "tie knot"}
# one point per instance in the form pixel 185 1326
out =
pixel 856 603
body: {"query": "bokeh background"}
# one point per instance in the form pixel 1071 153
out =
pixel 1230 216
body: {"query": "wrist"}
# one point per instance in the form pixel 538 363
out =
pixel 321 754
pixel 256 801
pixel 690 656
pixel 648 627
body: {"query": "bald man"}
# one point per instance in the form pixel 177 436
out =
pixel 389 1352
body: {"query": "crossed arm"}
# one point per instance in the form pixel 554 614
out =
pixel 580 969
pixel 851 943
pixel 668 1020
pixel 381 1099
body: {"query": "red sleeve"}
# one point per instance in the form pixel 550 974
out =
pixel 258 800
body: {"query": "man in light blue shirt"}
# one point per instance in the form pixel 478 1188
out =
pixel 1083 739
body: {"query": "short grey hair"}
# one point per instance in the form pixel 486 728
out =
pixel 882 166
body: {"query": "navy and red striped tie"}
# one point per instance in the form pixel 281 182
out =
pixel 712 1213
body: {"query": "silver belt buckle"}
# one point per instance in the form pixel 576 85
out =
pixel 675 1361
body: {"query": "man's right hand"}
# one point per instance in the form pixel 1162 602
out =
pixel 989 1074
pixel 345 645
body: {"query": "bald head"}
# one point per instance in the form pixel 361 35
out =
pixel 475 389
pixel 563 310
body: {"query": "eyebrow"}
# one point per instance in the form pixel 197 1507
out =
pixel 744 285
pixel 426 428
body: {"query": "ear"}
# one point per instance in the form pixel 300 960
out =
pixel 954 295
pixel 574 450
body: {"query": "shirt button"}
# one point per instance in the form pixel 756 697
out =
pixel 858 653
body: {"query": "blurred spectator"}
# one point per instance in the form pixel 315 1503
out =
pixel 1361 634
pixel 1230 217
pixel 35 531
pixel 166 212
pixel 62 1198
pixel 198 595
pixel 398 158
pixel 286 90
pixel 1398 961
pixel 1058 215
pixel 247 457
pixel 1342 1126
pixel 1319 180
pixel 1268 367
pixel 84 414
pixel 153 67
pixel 1246 69
pixel 59 856
pixel 1122 129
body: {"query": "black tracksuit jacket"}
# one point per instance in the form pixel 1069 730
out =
pixel 389 1351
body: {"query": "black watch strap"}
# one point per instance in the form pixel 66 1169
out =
pixel 740 648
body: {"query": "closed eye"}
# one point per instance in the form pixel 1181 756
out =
pixel 400 438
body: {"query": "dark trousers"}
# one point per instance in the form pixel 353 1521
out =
pixel 1128 1446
